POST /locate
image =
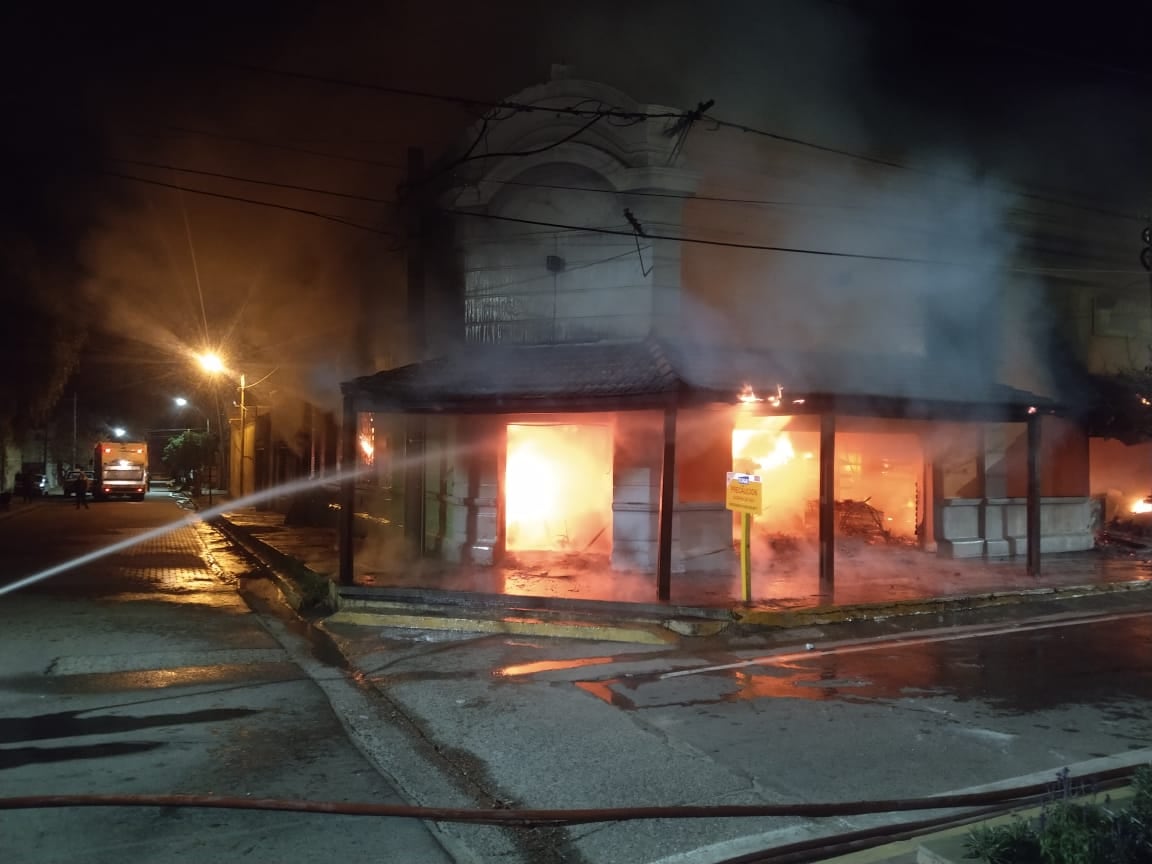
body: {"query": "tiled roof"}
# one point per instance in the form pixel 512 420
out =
pixel 648 371
pixel 844 374
pixel 484 372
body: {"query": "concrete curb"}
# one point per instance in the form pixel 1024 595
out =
pixel 946 846
pixel 306 589
pixel 302 587
pixel 789 618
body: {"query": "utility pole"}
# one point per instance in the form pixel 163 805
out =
pixel 243 431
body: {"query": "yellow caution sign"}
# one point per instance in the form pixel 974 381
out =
pixel 745 493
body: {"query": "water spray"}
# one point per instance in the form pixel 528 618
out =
pixel 202 515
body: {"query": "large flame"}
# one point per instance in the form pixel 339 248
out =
pixel 1144 505
pixel 747 395
pixel 558 487
pixel 876 471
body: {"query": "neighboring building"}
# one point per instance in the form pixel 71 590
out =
pixel 623 310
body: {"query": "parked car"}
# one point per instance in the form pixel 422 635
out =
pixel 70 481
pixel 30 485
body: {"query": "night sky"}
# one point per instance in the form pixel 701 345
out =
pixel 96 95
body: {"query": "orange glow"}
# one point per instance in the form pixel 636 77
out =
pixel 367 449
pixel 880 471
pixel 747 395
pixel 1144 505
pixel 549 666
pixel 558 488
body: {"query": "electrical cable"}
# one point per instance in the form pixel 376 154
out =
pixel 520 107
pixel 679 116
pixel 277 145
pixel 239 179
pixel 563 226
pixel 889 163
pixel 319 215
pixel 731 244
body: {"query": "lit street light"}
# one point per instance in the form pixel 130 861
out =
pixel 119 431
pixel 181 402
pixel 212 364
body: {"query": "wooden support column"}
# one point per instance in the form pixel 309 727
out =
pixel 667 507
pixel 347 473
pixel 827 504
pixel 1033 512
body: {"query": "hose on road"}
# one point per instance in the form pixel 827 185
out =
pixel 1019 796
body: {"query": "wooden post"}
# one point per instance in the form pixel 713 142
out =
pixel 667 507
pixel 347 472
pixel 827 504
pixel 1033 512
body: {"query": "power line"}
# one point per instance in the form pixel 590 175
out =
pixel 277 145
pixel 763 247
pixel 619 232
pixel 732 244
pixel 466 101
pixel 240 179
pixel 889 163
pixel 678 116
pixel 327 216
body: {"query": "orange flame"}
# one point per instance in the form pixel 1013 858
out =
pixel 367 449
pixel 558 487
pixel 747 395
pixel 1144 505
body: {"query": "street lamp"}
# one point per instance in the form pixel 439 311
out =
pixel 181 402
pixel 119 431
pixel 212 364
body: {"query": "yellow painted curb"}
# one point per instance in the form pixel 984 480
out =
pixel 635 633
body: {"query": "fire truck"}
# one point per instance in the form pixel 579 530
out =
pixel 120 470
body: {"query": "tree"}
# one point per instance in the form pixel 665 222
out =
pixel 189 452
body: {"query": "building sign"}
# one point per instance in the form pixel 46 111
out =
pixel 745 493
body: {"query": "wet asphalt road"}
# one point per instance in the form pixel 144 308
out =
pixel 751 720
pixel 144 672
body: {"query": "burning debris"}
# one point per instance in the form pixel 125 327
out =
pixel 861 519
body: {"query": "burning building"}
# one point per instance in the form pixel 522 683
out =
pixel 618 330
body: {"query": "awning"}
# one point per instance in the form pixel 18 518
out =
pixel 604 376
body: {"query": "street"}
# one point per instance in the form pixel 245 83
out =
pixel 171 667
pixel 827 717
pixel 146 673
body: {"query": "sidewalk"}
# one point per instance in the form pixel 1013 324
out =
pixel 912 584
pixel 1071 586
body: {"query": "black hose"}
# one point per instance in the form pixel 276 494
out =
pixel 533 818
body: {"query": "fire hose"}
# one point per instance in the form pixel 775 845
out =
pixel 1022 795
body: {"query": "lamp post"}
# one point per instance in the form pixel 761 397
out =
pixel 181 402
pixel 213 364
pixel 243 431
